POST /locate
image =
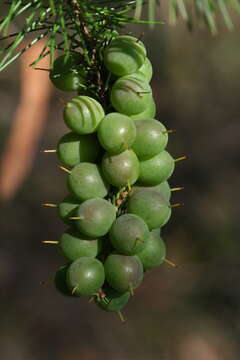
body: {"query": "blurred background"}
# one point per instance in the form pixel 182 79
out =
pixel 188 313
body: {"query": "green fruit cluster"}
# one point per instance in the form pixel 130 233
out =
pixel 119 167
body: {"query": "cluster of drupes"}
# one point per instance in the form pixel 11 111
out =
pixel 117 178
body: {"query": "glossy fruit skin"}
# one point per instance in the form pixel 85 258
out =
pixel 83 114
pixel 115 300
pixel 151 138
pixel 86 182
pixel 97 216
pixel 129 234
pixel 157 169
pixel 68 74
pixel 121 169
pixel 163 189
pixel 67 208
pixel 149 113
pixel 74 245
pixel 146 69
pixel 85 276
pixel 60 280
pixel 154 252
pixel 116 133
pixel 123 272
pixel 124 55
pixel 130 95
pixel 73 149
pixel 151 207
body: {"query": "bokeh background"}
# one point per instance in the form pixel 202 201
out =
pixel 189 313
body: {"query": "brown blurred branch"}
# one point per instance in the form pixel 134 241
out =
pixel 28 123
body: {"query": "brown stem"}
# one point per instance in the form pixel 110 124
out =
pixel 89 41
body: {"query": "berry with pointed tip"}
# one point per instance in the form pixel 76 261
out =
pixel 68 74
pixel 113 300
pixel 83 114
pixel 122 272
pixel 85 276
pixel 121 169
pixel 151 207
pixel 74 245
pixel 129 234
pixel 154 252
pixel 124 55
pixel 157 169
pixel 73 149
pixel 130 95
pixel 85 181
pixel 151 138
pixel 116 133
pixel 95 217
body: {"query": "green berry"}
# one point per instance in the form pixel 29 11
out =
pixel 96 217
pixel 116 133
pixel 124 55
pixel 83 114
pixel 74 245
pixel 129 234
pixel 157 169
pixel 130 95
pixel 85 276
pixel 67 207
pixel 121 169
pixel 73 149
pixel 149 113
pixel 151 138
pixel 113 300
pixel 122 272
pixel 154 252
pixel 151 207
pixel 68 74
pixel 86 182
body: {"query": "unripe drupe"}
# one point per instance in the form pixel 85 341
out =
pixel 95 217
pixel 85 276
pixel 124 55
pixel 129 234
pixel 121 169
pixel 73 149
pixel 123 273
pixel 74 245
pixel 130 95
pixel 83 114
pixel 151 138
pixel 154 252
pixel 85 181
pixel 116 133
pixel 156 169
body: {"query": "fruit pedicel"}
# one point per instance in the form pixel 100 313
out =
pixel 117 175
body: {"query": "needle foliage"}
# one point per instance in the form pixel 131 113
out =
pixel 86 26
